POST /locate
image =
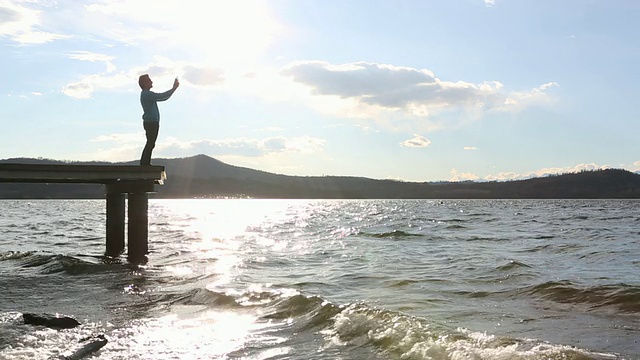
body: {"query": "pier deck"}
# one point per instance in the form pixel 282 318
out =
pixel 135 182
pixel 96 174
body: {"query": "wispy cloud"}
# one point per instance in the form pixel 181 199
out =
pixel 470 148
pixel 161 70
pixel 489 2
pixel 22 24
pixel 128 145
pixel 518 99
pixel 504 176
pixel 509 176
pixel 462 176
pixel 84 88
pixel 250 147
pixel 94 57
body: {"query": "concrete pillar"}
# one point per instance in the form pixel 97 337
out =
pixel 115 223
pixel 138 245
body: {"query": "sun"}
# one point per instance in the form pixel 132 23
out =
pixel 217 32
pixel 232 31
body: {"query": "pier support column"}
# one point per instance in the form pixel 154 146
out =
pixel 138 245
pixel 115 223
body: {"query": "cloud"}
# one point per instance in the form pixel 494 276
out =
pixel 120 138
pixel 489 2
pixel 509 176
pixel 470 148
pixel 223 35
pixel 519 99
pixel 127 146
pixel 162 70
pixel 381 91
pixel 248 147
pixel 205 75
pixel 22 24
pixel 417 141
pixel 458 176
pixel 84 88
pixel 505 176
pixel 94 57
pixel 373 82
pixel 79 90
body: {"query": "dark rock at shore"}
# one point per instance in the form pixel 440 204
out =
pixel 94 344
pixel 50 320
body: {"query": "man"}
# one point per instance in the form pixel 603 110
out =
pixel 151 114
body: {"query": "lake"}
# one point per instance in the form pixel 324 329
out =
pixel 329 279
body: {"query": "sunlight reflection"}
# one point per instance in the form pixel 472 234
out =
pixel 223 221
pixel 179 270
pixel 203 335
pixel 227 233
pixel 223 268
pixel 276 245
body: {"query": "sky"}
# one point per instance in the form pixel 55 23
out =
pixel 413 90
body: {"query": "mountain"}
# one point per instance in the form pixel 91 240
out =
pixel 203 176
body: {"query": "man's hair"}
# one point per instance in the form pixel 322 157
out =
pixel 143 79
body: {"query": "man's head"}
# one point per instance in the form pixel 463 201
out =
pixel 145 82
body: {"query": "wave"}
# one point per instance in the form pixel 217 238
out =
pixel 487 238
pixel 625 298
pixel 208 298
pixel 14 255
pixel 273 304
pixel 401 336
pixel 394 334
pixel 394 234
pixel 553 248
pixel 454 220
pixel 46 263
pixel 403 282
pixel 512 265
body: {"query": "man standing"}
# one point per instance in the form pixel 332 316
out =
pixel 151 114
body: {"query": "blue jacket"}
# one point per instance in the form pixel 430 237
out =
pixel 149 101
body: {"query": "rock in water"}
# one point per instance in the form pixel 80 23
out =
pixel 94 345
pixel 50 320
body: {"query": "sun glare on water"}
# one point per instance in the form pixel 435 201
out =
pixel 213 231
pixel 219 229
pixel 188 335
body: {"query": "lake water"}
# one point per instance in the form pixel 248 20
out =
pixel 314 279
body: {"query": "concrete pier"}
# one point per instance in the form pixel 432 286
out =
pixel 115 223
pixel 138 245
pixel 134 182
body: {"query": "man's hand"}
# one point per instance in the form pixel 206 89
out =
pixel 176 83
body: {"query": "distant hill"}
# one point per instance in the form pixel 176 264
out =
pixel 203 176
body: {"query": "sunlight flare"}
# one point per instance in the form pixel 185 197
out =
pixel 226 33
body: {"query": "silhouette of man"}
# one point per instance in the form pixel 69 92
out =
pixel 151 114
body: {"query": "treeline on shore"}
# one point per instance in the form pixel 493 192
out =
pixel 202 176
